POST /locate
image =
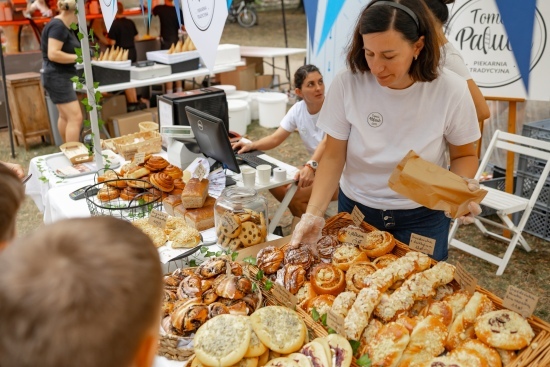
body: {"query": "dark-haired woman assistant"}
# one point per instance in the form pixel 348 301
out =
pixel 393 98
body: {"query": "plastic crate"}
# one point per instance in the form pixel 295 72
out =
pixel 539 130
pixel 539 223
pixel 526 186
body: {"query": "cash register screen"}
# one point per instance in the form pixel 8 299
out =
pixel 166 118
pixel 212 138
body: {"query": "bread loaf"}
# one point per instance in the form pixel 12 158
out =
pixel 201 218
pixel 170 203
pixel 194 194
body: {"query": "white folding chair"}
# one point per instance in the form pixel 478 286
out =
pixel 505 203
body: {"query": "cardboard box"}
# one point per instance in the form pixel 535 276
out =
pixel 113 105
pixel 154 111
pixel 243 77
pixel 263 81
pixel 127 123
pixel 259 63
pixel 253 250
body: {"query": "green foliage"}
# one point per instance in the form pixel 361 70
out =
pixel 364 361
pixel 315 314
pixel 250 260
pixel 354 345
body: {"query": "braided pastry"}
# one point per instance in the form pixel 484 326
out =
pixel 378 243
pixel 299 255
pixel 292 277
pixel 270 259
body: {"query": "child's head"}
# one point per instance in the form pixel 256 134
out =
pixel 11 197
pixel 66 5
pixel 308 83
pixel 119 9
pixel 80 292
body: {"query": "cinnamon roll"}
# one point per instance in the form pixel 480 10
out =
pixel 356 274
pixel 209 296
pixel 217 308
pixel 173 171
pixel 162 181
pixel 189 316
pixel 327 279
pixel 212 267
pixel 190 287
pixel 346 255
pixel 156 163
pixel 179 185
pixel 326 246
pixel 270 259
pixel 378 243
pixel 299 255
pixel 305 293
pixel 353 235
pixel 292 277
pixel 233 287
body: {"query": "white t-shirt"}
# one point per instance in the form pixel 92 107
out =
pixel 381 125
pixel 299 118
pixel 453 60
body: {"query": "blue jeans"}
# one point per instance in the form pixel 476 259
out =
pixel 402 223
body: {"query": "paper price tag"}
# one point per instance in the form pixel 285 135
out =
pixel 200 172
pixel 357 237
pixel 422 244
pixel 357 216
pixel 520 301
pixel 139 158
pixel 336 322
pixel 229 222
pixel 465 279
pixel 283 296
pixel 158 218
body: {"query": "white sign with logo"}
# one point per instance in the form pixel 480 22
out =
pixel 477 31
pixel 204 22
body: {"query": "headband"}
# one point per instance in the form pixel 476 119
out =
pixel 402 7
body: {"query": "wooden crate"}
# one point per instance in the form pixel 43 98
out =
pixel 28 107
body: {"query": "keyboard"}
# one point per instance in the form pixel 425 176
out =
pixel 252 159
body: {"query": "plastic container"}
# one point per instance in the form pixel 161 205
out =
pixel 242 96
pixel 240 216
pixel 272 108
pixel 254 109
pixel 226 87
pixel 238 115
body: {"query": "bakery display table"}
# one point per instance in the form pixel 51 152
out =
pixel 51 193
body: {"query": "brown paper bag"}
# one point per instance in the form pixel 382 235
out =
pixel 432 186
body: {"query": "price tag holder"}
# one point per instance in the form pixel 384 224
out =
pixel 422 244
pixel 336 322
pixel 283 296
pixel 520 301
pixel 229 222
pixel 357 237
pixel 465 279
pixel 158 218
pixel 139 158
pixel 200 172
pixel 357 216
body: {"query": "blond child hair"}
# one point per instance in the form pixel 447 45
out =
pixel 80 292
pixel 12 194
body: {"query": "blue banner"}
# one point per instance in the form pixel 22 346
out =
pixel 310 6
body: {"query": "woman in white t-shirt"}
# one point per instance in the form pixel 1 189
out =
pixel 453 60
pixel 309 87
pixel 394 98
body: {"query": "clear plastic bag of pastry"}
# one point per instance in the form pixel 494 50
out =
pixel 240 217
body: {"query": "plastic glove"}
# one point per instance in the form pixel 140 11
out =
pixel 308 230
pixel 475 209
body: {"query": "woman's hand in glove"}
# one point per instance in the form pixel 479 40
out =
pixel 475 209
pixel 308 230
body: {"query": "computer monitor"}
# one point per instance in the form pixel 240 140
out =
pixel 212 138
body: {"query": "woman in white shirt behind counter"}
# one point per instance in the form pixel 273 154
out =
pixel 310 88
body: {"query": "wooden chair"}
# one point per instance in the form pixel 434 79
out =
pixel 505 203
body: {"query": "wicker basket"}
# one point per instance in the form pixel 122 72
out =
pixel 147 142
pixel 145 126
pixel 180 348
pixel 537 354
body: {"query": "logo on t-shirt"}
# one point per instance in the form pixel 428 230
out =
pixel 375 119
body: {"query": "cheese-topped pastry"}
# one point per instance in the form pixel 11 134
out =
pixel 279 328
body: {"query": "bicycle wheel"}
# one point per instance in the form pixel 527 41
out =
pixel 247 18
